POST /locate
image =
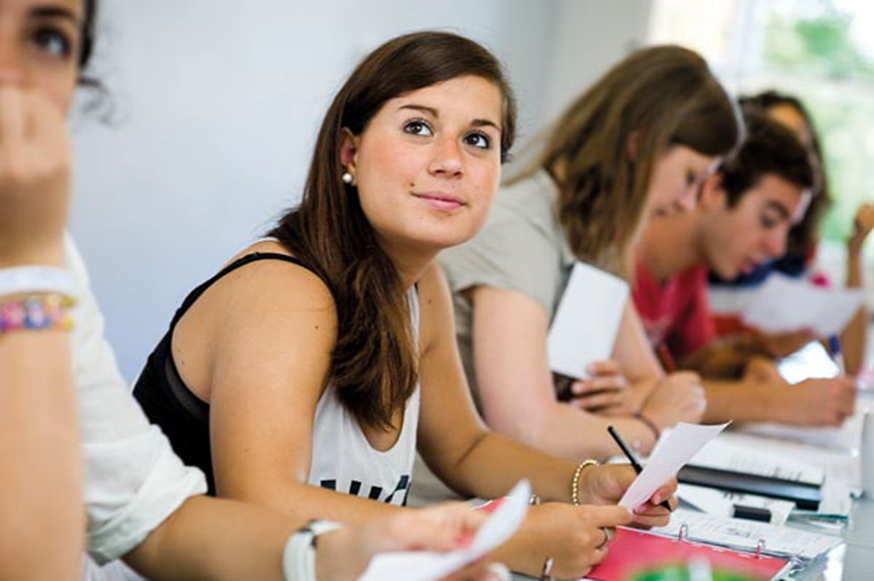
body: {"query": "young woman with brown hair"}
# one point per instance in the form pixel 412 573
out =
pixel 81 467
pixel 305 374
pixel 635 145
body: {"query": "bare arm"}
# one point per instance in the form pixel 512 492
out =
pixel 209 538
pixel 41 487
pixel 42 524
pixel 762 396
pixel 509 343
pixel 854 336
pixel 637 359
pixel 458 448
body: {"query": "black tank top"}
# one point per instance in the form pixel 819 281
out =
pixel 165 398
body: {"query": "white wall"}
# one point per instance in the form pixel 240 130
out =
pixel 218 102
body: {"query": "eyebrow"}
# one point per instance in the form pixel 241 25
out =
pixel 433 112
pixel 57 12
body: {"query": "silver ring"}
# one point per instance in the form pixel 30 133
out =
pixel 606 540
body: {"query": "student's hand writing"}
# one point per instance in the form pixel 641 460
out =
pixel 605 392
pixel 344 554
pixel 820 402
pixel 34 179
pixel 606 485
pixel 571 535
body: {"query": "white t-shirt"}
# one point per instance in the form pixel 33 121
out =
pixel 343 459
pixel 133 480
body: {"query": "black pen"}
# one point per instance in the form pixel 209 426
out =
pixel 634 463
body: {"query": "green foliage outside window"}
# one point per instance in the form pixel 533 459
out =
pixel 821 49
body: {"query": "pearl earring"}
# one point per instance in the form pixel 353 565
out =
pixel 348 178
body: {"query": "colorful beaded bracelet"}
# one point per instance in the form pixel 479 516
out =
pixel 37 313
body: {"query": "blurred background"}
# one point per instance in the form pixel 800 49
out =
pixel 203 137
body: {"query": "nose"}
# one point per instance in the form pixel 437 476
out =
pixel 775 243
pixel 688 198
pixel 446 160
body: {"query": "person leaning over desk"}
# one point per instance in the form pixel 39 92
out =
pixel 744 213
pixel 801 247
pixel 331 354
pixel 70 434
pixel 632 146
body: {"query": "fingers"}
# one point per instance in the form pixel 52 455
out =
pixel 607 516
pixel 601 400
pixel 608 367
pixel 440 528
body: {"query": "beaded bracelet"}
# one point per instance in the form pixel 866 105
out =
pixel 575 481
pixel 37 313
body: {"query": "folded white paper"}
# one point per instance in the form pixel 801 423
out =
pixel 430 566
pixel 586 321
pixel 785 304
pixel 674 449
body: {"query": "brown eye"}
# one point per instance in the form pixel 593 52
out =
pixel 478 140
pixel 418 127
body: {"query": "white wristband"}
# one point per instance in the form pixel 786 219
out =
pixel 37 279
pixel 299 555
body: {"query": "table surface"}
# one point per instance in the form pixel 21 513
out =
pixel 854 560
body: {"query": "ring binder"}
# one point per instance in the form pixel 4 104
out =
pixel 633 551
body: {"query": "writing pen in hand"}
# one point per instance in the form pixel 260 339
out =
pixel 634 463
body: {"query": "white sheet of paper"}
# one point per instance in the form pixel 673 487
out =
pixel 586 321
pixel 735 458
pixel 810 362
pixel 745 534
pixel 430 566
pixel 786 304
pixel 675 449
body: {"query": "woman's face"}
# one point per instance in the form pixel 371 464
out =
pixel 427 165
pixel 39 46
pixel 676 178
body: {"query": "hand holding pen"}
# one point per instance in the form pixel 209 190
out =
pixel 632 459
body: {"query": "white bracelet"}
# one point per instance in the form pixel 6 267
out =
pixel 37 279
pixel 299 555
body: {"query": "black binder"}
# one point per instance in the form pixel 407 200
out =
pixel 805 496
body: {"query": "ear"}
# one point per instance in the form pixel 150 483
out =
pixel 712 193
pixel 349 150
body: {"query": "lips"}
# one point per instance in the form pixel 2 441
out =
pixel 441 201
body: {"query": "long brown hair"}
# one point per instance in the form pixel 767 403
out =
pixel 374 363
pixel 607 142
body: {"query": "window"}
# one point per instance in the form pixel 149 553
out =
pixel 819 50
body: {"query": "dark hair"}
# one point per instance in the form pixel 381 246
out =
pixel 803 235
pixel 89 18
pixel 374 363
pixel 654 98
pixel 769 148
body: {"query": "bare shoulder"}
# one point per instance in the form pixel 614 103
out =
pixel 265 310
